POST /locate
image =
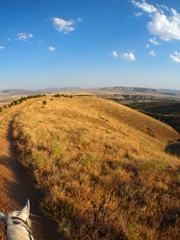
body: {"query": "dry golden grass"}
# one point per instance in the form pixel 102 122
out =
pixel 102 168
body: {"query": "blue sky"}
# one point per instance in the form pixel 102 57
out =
pixel 83 43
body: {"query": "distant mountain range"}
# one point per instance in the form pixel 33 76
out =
pixel 109 89
pixel 142 90
pixel 34 92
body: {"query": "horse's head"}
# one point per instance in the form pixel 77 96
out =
pixel 17 224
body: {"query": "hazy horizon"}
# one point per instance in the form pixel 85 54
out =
pixel 92 88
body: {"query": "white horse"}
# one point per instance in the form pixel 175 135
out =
pixel 17 224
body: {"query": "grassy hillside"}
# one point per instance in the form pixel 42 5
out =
pixel 102 167
pixel 165 111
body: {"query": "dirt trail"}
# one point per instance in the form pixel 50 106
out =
pixel 16 186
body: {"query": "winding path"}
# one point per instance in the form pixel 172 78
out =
pixel 16 186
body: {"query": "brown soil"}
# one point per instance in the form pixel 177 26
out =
pixel 16 185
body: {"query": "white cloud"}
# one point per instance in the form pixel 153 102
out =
pixel 62 25
pixel 175 57
pixel 166 26
pixel 1 47
pixel 114 53
pixel 8 39
pixel 24 36
pixel 147 45
pixel 51 48
pixel 152 53
pixel 30 35
pixel 138 14
pixel 79 19
pixel 145 6
pixel 163 6
pixel 154 41
pixel 128 56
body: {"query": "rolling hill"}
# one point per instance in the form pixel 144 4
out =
pixel 103 168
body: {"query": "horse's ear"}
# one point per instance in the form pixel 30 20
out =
pixel 3 218
pixel 24 214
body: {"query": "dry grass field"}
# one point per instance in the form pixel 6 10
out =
pixel 102 167
pixel 164 110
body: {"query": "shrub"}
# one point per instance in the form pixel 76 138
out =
pixel 15 102
pixel 44 102
pixel 57 95
pixel 10 105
